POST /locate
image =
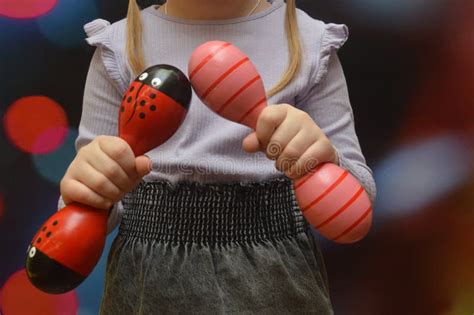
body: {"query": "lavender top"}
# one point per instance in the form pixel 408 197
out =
pixel 207 148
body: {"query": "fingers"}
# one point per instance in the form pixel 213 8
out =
pixel 77 191
pixel 103 172
pixel 98 183
pixel 283 135
pixel 294 150
pixel 291 138
pixel 319 152
pixel 119 151
pixel 251 144
pixel 102 163
pixel 143 165
pixel 269 120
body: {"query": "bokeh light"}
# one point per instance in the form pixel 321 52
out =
pixel 44 143
pixel 20 297
pixel 52 166
pixel 36 117
pixel 64 25
pixel 410 74
pixel 406 185
pixel 25 9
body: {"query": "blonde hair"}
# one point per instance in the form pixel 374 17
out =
pixel 137 62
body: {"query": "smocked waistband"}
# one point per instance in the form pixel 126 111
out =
pixel 212 214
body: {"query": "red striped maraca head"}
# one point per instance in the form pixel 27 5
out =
pixel 331 199
pixel 335 203
pixel 227 82
pixel 154 107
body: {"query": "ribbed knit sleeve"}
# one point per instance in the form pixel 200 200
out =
pixel 101 35
pixel 327 102
pixel 102 98
pixel 334 37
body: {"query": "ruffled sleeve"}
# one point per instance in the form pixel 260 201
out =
pixel 326 100
pixel 99 34
pixel 334 37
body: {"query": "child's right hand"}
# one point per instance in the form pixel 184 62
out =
pixel 102 172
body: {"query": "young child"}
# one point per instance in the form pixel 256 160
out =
pixel 209 222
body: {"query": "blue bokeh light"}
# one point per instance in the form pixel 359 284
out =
pixel 420 174
pixel 53 166
pixel 64 25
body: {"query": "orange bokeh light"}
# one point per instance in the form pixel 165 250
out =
pixel 31 118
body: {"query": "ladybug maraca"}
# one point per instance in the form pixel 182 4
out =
pixel 331 199
pixel 69 244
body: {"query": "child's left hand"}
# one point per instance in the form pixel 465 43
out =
pixel 291 138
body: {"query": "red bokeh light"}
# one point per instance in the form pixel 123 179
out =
pixel 25 9
pixel 50 140
pixel 36 119
pixel 19 297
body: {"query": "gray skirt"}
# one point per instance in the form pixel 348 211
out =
pixel 215 249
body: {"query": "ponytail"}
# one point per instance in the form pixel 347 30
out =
pixel 294 48
pixel 134 47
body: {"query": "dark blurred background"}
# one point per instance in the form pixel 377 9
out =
pixel 410 71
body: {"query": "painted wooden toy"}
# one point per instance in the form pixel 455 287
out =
pixel 330 198
pixel 69 244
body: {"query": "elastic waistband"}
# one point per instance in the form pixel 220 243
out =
pixel 212 214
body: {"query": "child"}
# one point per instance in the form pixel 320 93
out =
pixel 205 226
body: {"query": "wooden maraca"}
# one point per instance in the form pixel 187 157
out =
pixel 331 199
pixel 69 244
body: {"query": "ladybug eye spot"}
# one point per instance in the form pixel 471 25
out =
pixel 156 81
pixel 143 76
pixel 32 252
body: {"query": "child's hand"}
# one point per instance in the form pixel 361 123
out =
pixel 102 172
pixel 292 138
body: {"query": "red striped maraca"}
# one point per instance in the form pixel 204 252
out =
pixel 331 199
pixel 69 244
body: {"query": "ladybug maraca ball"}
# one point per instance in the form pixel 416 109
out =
pixel 55 268
pixel 154 107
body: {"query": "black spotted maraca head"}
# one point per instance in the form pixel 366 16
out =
pixel 154 107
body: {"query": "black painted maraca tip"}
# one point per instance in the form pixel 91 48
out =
pixel 174 83
pixel 50 276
